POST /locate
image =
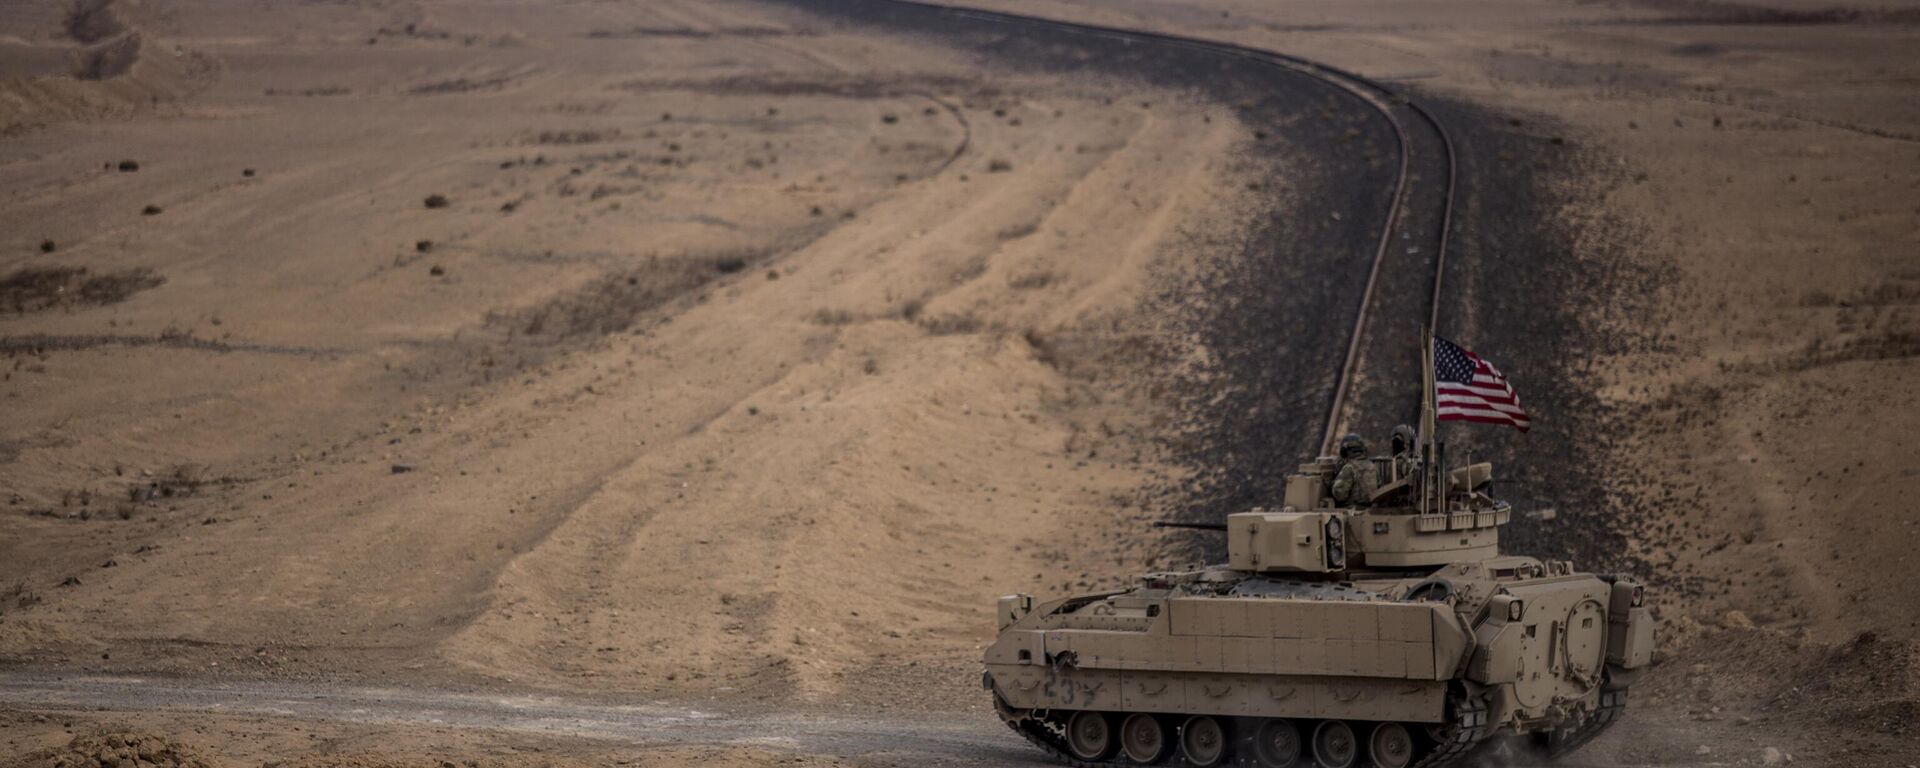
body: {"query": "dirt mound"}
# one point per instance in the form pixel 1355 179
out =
pixel 89 63
pixel 114 749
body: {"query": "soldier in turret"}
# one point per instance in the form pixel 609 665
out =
pixel 1354 480
pixel 1404 458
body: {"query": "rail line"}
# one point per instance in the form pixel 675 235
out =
pixel 1381 99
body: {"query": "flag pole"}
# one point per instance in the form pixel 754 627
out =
pixel 1427 414
pixel 1427 405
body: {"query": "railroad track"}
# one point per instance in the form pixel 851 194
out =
pixel 1411 124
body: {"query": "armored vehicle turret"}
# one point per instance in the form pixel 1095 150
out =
pixel 1389 633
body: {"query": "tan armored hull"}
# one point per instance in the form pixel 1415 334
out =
pixel 1235 656
pixel 1395 637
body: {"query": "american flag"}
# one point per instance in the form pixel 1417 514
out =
pixel 1467 388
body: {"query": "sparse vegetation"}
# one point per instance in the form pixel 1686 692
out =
pixel 1018 231
pixel 570 137
pixel 1043 349
pixel 32 289
pixel 181 480
pixel 910 311
pixel 614 302
pixel 833 317
pixel 947 325
pixel 19 597
pixel 970 271
pixel 463 85
pixel 1033 281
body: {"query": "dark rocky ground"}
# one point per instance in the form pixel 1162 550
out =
pixel 1523 285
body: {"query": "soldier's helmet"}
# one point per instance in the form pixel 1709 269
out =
pixel 1403 439
pixel 1352 446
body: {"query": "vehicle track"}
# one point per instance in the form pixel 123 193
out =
pixel 1370 335
pixel 1466 728
pixel 1409 121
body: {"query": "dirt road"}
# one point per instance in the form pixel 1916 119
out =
pixel 589 727
pixel 896 737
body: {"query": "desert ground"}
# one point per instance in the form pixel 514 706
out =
pixel 408 382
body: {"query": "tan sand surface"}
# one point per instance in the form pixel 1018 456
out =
pixel 705 351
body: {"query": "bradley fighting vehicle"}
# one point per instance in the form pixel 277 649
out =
pixel 1394 634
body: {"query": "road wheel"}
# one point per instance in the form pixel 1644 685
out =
pixel 1144 740
pixel 1390 746
pixel 1276 744
pixel 1090 736
pixel 1334 745
pixel 1203 742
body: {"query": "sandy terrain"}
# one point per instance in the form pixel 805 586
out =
pixel 727 365
pixel 727 353
pixel 722 355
